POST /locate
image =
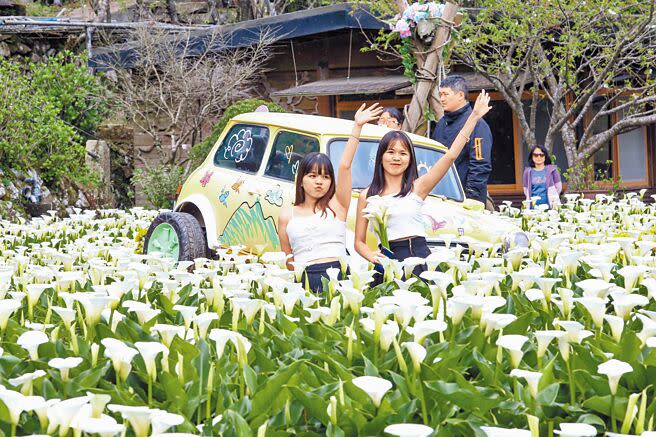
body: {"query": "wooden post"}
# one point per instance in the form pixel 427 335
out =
pixel 423 88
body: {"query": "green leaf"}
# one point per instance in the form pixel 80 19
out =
pixel 315 405
pixel 601 404
pixel 264 397
pixel 548 395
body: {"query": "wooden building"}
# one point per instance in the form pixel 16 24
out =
pixel 319 68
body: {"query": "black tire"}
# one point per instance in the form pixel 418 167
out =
pixel 191 238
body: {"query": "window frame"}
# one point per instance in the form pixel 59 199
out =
pixel 421 146
pixel 264 152
pixel 615 156
pixel 269 151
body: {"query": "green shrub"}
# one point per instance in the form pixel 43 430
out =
pixel 46 113
pixel 160 183
pixel 199 152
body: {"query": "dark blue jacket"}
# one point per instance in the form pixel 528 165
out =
pixel 474 163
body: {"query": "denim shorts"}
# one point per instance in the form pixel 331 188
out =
pixel 314 272
pixel 402 249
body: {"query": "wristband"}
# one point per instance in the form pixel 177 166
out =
pixel 464 136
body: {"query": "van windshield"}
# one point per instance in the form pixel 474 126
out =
pixel 363 166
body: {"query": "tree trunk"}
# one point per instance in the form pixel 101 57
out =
pixel 172 10
pixel 415 113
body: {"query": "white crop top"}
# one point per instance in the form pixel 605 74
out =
pixel 405 217
pixel 316 236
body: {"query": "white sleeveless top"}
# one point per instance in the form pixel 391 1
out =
pixel 316 236
pixel 405 218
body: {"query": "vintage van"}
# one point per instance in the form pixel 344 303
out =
pixel 235 196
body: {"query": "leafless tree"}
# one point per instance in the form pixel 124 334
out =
pixel 179 83
pixel 576 56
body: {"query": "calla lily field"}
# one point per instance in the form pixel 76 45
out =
pixel 558 338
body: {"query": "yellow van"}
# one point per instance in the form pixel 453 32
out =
pixel 235 196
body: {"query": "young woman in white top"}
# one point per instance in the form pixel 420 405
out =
pixel 395 175
pixel 314 229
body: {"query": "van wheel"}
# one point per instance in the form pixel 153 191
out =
pixel 177 235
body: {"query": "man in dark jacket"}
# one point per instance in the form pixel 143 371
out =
pixel 474 163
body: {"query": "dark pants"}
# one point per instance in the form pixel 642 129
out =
pixel 402 249
pixel 314 272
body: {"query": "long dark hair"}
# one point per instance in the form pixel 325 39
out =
pixel 409 175
pixel 547 158
pixel 319 162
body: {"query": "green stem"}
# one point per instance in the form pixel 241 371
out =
pixel 242 389
pixel 420 392
pixel 572 388
pixel 516 389
pixel 150 392
pixel 452 339
pixel 13 430
pixel 208 405
pixel 550 426
pixel 612 413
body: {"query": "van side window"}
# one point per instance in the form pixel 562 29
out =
pixel 242 148
pixel 288 149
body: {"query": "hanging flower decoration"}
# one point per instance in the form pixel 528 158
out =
pixel 421 19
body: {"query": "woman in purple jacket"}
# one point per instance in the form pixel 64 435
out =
pixel 542 178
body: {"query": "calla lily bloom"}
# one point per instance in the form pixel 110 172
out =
pixel 121 356
pixel 139 417
pixel 25 381
pixel 513 344
pixel 105 426
pixel 373 386
pixel 16 403
pixel 576 430
pixel 632 275
pixel 532 379
pixel 30 341
pixel 614 369
pixel 624 303
pixel 64 365
pixel 417 354
pixel 408 430
pixel 594 287
pixel 596 307
pixel 161 421
pixel 149 351
pixel 7 308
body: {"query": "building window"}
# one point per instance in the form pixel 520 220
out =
pixel 632 153
pixel 624 158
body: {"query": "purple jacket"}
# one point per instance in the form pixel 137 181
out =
pixel 554 185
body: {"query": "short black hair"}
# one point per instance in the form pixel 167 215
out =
pixel 395 113
pixel 547 158
pixel 456 83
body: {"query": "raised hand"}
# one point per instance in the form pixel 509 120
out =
pixel 482 105
pixel 366 115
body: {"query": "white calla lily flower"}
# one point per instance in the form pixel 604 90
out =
pixel 532 379
pixel 408 430
pixel 64 365
pixel 373 386
pixel 614 369
pixel 30 341
pixel 576 430
pixel 513 344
